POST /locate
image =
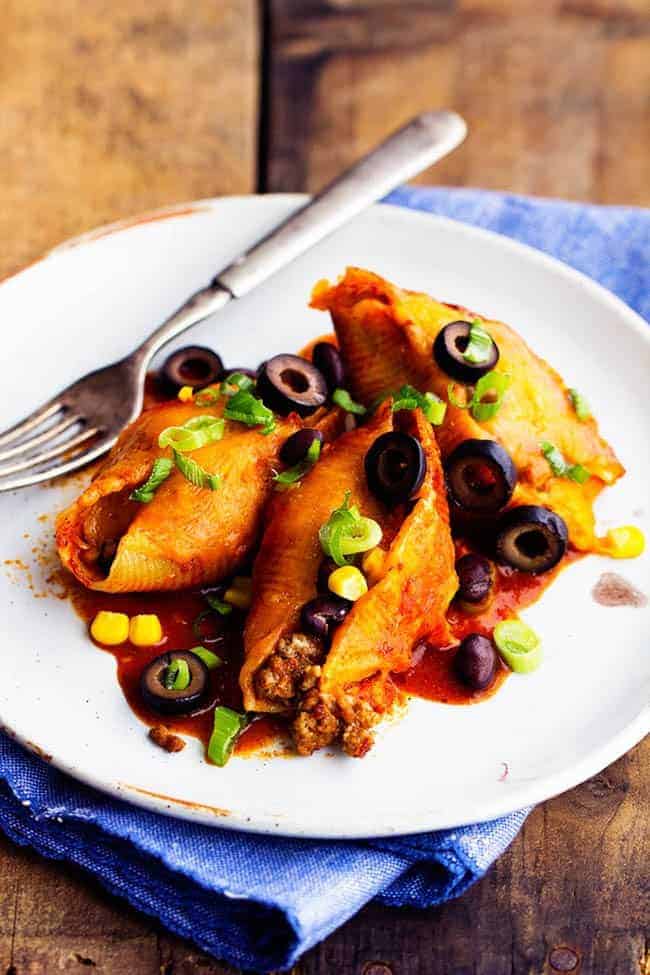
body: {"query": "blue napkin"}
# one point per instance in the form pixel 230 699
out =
pixel 259 902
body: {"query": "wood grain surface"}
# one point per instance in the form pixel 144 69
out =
pixel 109 108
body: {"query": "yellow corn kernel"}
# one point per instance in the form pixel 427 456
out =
pixel 145 630
pixel 625 542
pixel 348 582
pixel 372 564
pixel 110 628
pixel 240 593
pixel 186 394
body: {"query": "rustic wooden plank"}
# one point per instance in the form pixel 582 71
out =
pixel 108 110
pixel 573 885
pixel 552 90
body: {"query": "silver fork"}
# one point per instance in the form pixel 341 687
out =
pixel 83 421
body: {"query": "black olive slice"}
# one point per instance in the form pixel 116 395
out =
pixel 157 696
pixel 480 475
pixel 395 467
pixel 193 366
pixel 448 348
pixel 327 358
pixel 531 538
pixel 288 383
pixel 294 449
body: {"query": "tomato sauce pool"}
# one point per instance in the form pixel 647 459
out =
pixel 431 675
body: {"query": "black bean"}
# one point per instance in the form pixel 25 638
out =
pixel 475 662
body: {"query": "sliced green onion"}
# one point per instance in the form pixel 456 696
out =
pixel 347 532
pixel 217 604
pixel 479 345
pixel 208 397
pixel 248 409
pixel 294 474
pixel 177 675
pixel 228 725
pixel 209 658
pixel 578 473
pixel 580 405
pixel 455 401
pixel 518 645
pixel 235 383
pixel 343 399
pixel 162 468
pixel 488 395
pixel 559 466
pixel 195 474
pixel 434 409
pixel 197 432
pixel 410 398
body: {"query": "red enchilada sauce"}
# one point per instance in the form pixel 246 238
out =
pixel 431 675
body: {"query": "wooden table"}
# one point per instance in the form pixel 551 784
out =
pixel 113 108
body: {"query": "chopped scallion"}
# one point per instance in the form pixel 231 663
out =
pixel 479 345
pixel 518 645
pixel 210 659
pixel 197 432
pixel 208 397
pixel 246 408
pixel 347 532
pixel 580 405
pixel 560 467
pixel 195 474
pixel 228 725
pixel 410 398
pixel 294 474
pixel 162 468
pixel 235 383
pixel 488 395
pixel 342 398
pixel 177 675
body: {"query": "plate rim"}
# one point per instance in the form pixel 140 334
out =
pixel 528 794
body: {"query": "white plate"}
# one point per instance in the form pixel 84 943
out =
pixel 90 302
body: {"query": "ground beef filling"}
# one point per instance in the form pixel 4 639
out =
pixel 290 678
pixel 291 670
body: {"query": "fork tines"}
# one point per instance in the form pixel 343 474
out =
pixel 47 443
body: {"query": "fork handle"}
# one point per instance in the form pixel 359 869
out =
pixel 419 144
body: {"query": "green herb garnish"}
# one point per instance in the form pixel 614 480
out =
pixel 162 468
pixel 210 659
pixel 519 646
pixel 294 474
pixel 343 399
pixel 560 467
pixel 177 675
pixel 248 409
pixel 208 397
pixel 580 405
pixel 347 532
pixel 479 346
pixel 487 396
pixel 228 725
pixel 195 474
pixel 410 398
pixel 235 383
pixel 197 432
